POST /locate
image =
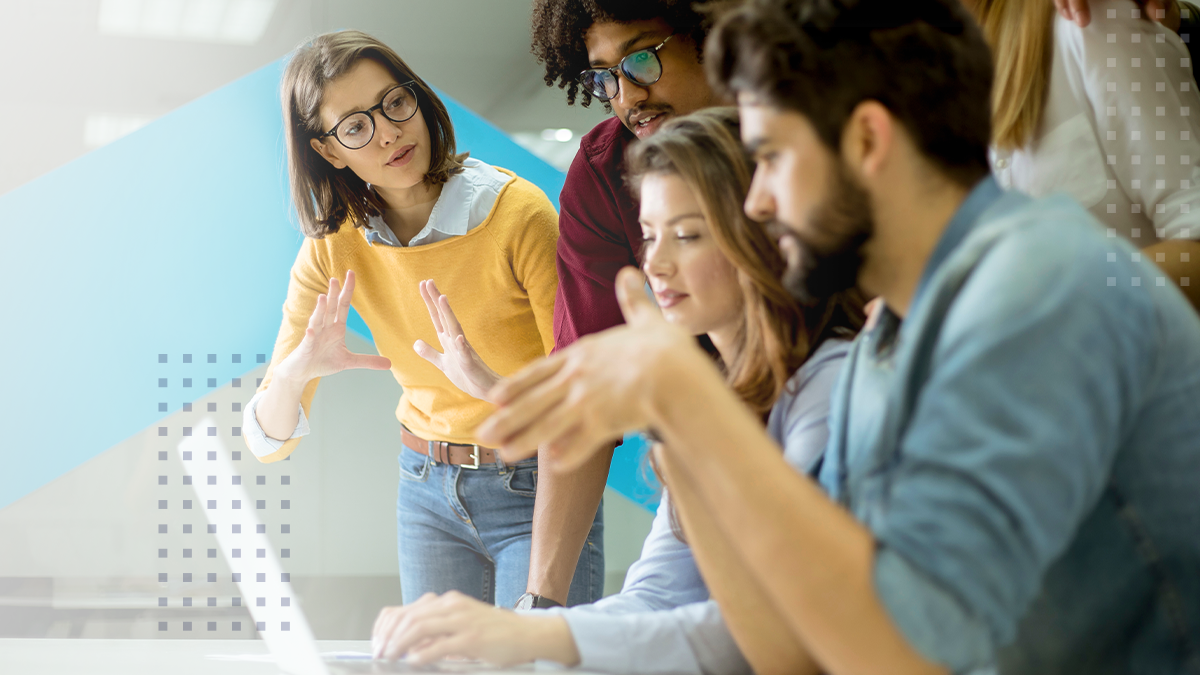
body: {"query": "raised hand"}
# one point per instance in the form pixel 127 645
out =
pixel 458 359
pixel 576 401
pixel 323 350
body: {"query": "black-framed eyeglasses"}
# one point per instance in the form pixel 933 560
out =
pixel 642 67
pixel 357 129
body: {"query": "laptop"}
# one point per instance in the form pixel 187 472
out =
pixel 260 577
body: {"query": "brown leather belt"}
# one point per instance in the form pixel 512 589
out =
pixel 466 456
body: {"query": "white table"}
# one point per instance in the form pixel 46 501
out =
pixel 147 657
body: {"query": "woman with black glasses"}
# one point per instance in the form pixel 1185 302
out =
pixel 385 202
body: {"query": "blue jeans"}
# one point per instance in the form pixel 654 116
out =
pixel 470 530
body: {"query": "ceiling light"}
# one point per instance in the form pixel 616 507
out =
pixel 220 21
pixel 560 135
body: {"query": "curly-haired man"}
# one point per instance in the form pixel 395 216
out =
pixel 659 40
pixel 641 59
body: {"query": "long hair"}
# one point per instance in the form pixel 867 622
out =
pixel 777 335
pixel 326 197
pixel 1021 35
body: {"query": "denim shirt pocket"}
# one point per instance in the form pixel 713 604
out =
pixel 521 478
pixel 413 465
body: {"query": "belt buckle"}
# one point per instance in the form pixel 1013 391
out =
pixel 474 456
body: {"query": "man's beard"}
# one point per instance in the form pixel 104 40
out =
pixel 815 273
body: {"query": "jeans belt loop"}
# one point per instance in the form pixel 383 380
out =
pixel 430 452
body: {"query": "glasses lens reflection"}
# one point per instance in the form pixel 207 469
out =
pixel 356 130
pixel 642 67
pixel 398 105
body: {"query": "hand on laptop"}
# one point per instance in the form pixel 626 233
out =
pixel 575 402
pixel 454 625
pixel 458 359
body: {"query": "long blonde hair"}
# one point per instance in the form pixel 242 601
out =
pixel 1021 35
pixel 777 334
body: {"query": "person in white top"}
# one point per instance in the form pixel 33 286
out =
pixel 1108 114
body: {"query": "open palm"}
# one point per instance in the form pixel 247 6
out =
pixel 458 359
pixel 323 350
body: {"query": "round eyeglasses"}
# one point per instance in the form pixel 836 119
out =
pixel 357 129
pixel 641 67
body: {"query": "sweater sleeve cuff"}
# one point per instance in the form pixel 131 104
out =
pixel 932 620
pixel 256 439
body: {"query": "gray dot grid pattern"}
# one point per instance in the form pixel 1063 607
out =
pixel 187 548
pixel 1141 125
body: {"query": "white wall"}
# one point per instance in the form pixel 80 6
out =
pixel 79 557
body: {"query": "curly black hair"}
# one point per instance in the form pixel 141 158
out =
pixel 559 27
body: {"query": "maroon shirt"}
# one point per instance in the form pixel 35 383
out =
pixel 598 234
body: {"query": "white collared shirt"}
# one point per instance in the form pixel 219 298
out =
pixel 466 200
pixel 1121 129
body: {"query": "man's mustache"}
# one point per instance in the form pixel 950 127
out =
pixel 653 107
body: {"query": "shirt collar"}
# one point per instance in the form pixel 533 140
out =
pixel 979 199
pixel 466 199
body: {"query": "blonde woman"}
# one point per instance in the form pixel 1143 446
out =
pixel 1108 114
pixel 714 272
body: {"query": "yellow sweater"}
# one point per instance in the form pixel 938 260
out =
pixel 501 281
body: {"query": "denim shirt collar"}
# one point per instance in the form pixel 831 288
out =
pixel 979 199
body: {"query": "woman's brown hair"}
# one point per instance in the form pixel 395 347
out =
pixel 326 197
pixel 777 334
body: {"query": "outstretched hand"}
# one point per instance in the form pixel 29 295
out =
pixel 323 350
pixel 575 402
pixel 458 359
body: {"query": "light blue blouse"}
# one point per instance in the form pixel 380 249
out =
pixel 663 621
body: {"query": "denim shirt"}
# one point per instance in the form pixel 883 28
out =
pixel 663 621
pixel 1025 448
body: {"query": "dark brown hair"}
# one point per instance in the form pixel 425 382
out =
pixel 777 334
pixel 326 197
pixel 559 27
pixel 926 61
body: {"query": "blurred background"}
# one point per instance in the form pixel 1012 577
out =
pixel 83 73
pixel 146 224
